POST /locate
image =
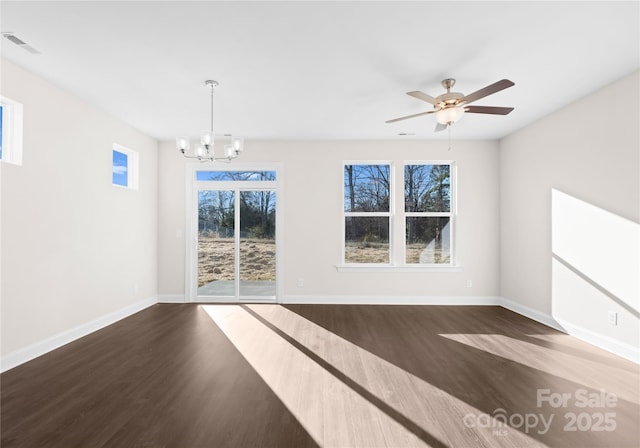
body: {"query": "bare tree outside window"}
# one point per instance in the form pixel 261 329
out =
pixel 367 193
pixel 427 194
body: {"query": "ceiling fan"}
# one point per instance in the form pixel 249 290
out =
pixel 450 106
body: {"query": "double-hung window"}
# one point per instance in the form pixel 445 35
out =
pixel 367 213
pixel 428 213
pixel 417 234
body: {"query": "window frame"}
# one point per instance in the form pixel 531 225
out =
pixel 193 186
pixel 389 214
pixel 12 127
pixel 133 165
pixel 450 214
pixel 398 218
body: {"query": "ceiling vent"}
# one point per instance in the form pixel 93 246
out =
pixel 19 42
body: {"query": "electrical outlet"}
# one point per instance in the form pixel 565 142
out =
pixel 300 282
pixel 612 318
pixel 469 284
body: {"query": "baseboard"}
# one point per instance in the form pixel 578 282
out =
pixel 390 300
pixel 171 298
pixel 532 314
pixel 14 359
pixel 621 349
pixel 624 350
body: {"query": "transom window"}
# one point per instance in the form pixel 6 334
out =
pixel 257 176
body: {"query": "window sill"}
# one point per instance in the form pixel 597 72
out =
pixel 391 268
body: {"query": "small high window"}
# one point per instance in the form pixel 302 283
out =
pixel 124 167
pixel 10 131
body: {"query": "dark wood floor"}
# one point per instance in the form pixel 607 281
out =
pixel 321 375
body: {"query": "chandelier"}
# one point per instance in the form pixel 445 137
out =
pixel 204 151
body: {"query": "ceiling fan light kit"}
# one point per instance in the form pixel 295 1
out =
pixel 449 107
pixel 449 115
pixel 204 150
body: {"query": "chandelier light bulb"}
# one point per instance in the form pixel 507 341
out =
pixel 237 143
pixel 182 143
pixel 206 138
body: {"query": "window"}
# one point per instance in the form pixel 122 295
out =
pixel 236 175
pixel 124 167
pixel 427 207
pixel 1 126
pixel 417 235
pixel 10 131
pixel 367 213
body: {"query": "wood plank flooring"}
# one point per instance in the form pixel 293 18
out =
pixel 322 375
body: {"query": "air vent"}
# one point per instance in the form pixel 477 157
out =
pixel 19 42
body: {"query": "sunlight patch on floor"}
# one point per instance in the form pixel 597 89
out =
pixel 342 394
pixel 312 395
pixel 571 367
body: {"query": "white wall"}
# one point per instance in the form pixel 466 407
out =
pixel 589 154
pixel 74 248
pixel 313 202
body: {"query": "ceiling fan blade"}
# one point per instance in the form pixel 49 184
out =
pixel 440 127
pixel 493 88
pixel 410 116
pixel 423 96
pixel 488 110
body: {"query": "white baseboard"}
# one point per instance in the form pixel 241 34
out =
pixel 171 298
pixel 626 351
pixel 390 300
pixel 532 314
pixel 14 359
pixel 621 349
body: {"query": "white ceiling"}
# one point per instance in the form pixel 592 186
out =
pixel 322 70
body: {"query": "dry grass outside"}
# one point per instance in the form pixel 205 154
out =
pixel 379 253
pixel 429 256
pixel 366 252
pixel 216 255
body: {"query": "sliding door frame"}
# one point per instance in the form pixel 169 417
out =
pixel 191 224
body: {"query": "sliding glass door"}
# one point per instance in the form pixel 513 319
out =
pixel 257 237
pixel 236 250
pixel 216 243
